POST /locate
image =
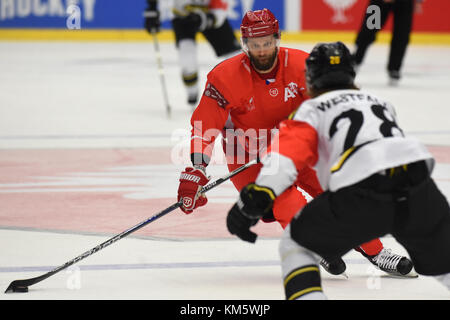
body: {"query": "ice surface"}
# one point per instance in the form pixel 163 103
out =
pixel 86 151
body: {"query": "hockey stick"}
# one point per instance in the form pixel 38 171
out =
pixel 161 73
pixel 22 285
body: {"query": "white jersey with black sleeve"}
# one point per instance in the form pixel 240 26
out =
pixel 357 136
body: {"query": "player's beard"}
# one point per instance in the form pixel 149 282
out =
pixel 263 63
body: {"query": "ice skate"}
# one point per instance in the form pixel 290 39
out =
pixel 335 267
pixel 392 263
pixel 394 78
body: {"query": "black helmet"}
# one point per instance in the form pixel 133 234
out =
pixel 329 65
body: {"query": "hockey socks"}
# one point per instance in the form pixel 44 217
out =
pixel 300 270
pixel 371 248
pixel 303 281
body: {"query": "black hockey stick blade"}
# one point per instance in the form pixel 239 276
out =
pixel 17 286
pixel 20 285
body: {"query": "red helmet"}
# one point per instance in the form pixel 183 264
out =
pixel 259 23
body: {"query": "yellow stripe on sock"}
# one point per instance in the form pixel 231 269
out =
pixel 299 271
pixel 303 292
pixel 190 76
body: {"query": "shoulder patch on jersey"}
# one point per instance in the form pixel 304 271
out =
pixel 213 93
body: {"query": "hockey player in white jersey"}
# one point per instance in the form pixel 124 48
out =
pixel 376 180
pixel 190 17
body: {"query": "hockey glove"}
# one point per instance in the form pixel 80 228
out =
pixel 200 19
pixel 254 203
pixel 192 180
pixel 151 16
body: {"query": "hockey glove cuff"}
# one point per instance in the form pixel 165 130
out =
pixel 202 20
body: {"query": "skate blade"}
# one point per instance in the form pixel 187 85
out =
pixel 411 275
pixel 342 276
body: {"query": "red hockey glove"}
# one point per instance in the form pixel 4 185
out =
pixel 191 182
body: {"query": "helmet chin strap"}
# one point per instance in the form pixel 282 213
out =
pixel 244 47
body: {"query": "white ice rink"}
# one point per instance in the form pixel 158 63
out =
pixel 97 98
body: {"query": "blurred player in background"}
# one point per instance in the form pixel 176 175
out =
pixel 403 11
pixel 244 100
pixel 377 180
pixel 190 17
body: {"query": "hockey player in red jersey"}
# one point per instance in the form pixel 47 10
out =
pixel 376 180
pixel 244 100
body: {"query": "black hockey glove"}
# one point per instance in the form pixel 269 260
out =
pixel 151 17
pixel 200 19
pixel 254 203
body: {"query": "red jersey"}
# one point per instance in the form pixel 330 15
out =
pixel 240 100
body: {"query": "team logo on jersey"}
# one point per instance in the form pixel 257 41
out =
pixel 273 92
pixel 291 91
pixel 251 104
pixel 213 93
